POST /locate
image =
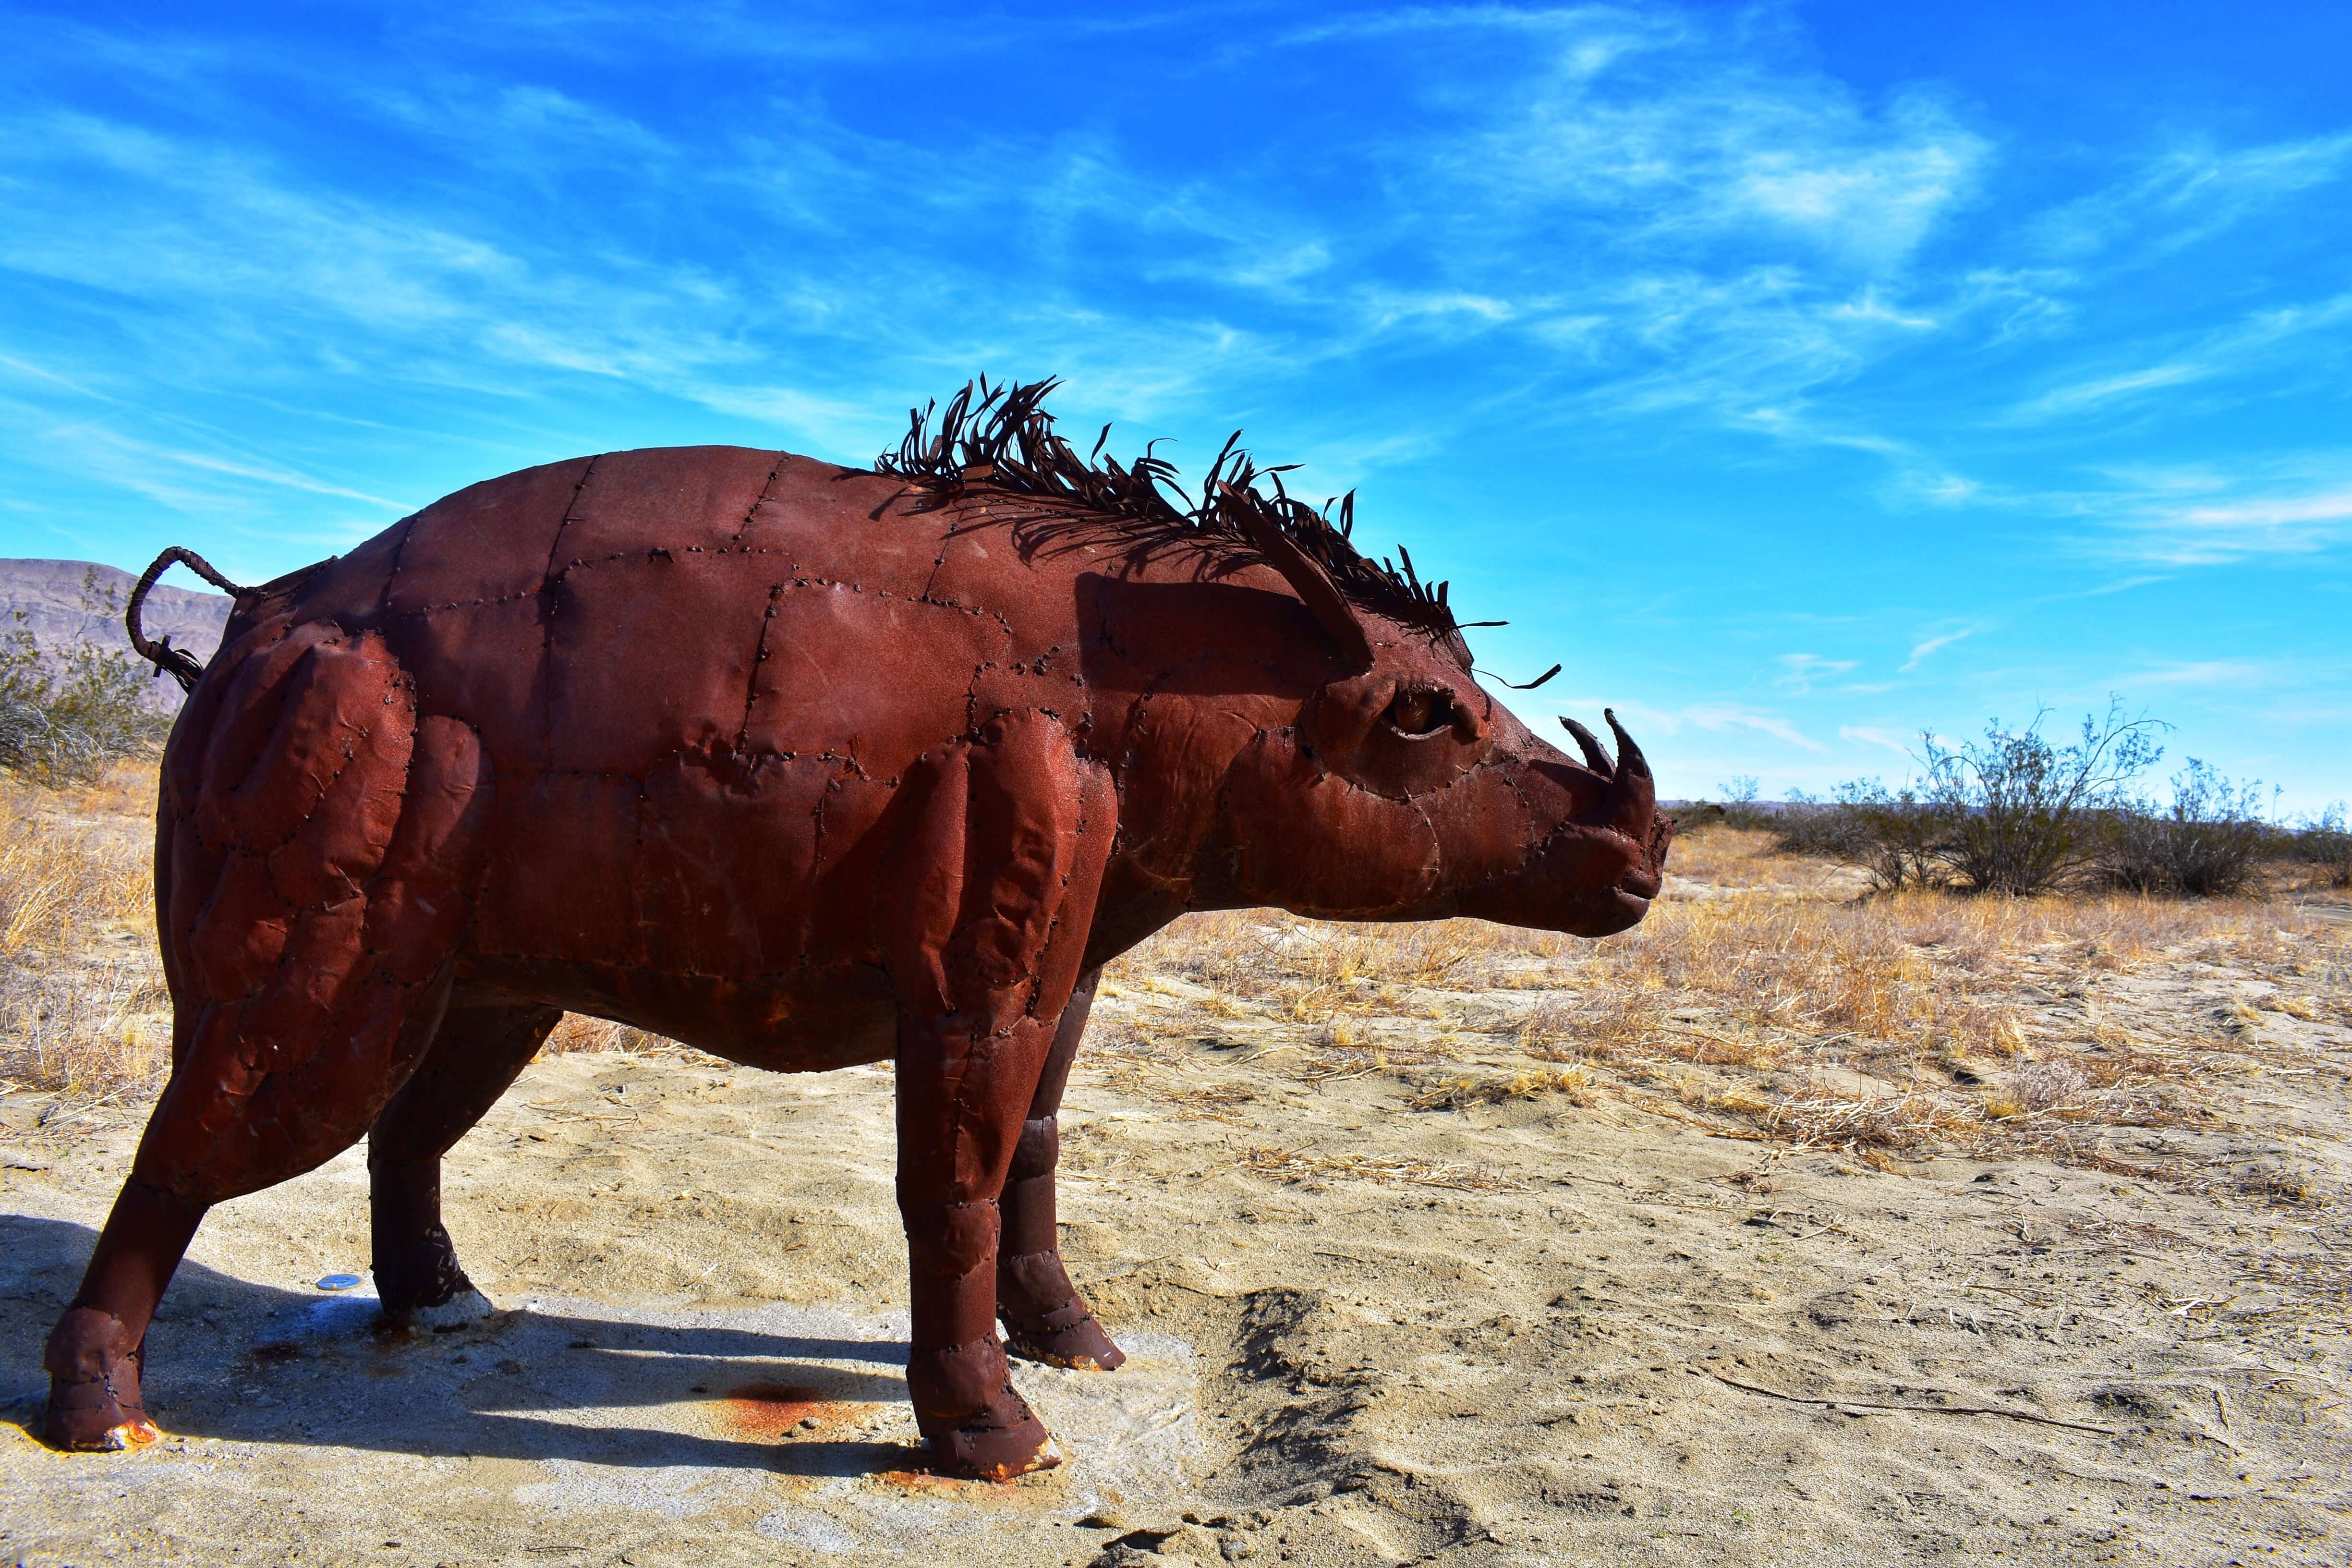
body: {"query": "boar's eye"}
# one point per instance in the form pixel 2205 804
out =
pixel 1417 715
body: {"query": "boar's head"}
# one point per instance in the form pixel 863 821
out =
pixel 1400 790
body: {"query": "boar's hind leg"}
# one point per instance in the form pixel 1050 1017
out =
pixel 94 1352
pixel 317 857
pixel 477 1055
pixel 1046 1318
pixel 188 1160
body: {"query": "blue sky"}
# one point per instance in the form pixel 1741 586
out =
pixel 1800 375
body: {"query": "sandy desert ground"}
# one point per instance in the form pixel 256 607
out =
pixel 1788 1228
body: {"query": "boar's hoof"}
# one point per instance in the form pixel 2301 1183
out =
pixel 420 1283
pixel 1003 1441
pixel 1064 1336
pixel 94 1401
pixel 462 1310
pixel 1068 1336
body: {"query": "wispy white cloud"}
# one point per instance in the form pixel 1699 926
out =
pixel 186 480
pixel 1672 213
pixel 2189 193
pixel 1602 185
pixel 2263 525
pixel 2246 347
pixel 2203 515
pixel 1800 671
pixel 1936 642
pixel 1594 26
pixel 1883 739
pixel 2083 395
pixel 1731 716
pixel 2203 672
pixel 1656 218
pixel 1692 142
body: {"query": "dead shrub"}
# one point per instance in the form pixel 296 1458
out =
pixel 1546 1031
pixel 2325 845
pixel 1576 1084
pixel 2206 845
pixel 2047 1086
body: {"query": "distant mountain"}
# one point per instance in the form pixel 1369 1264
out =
pixel 65 603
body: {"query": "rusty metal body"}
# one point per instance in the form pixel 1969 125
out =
pixel 804 766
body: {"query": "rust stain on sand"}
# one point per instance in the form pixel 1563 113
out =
pixel 775 1410
pixel 1030 1490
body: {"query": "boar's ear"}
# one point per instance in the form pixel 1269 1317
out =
pixel 1313 585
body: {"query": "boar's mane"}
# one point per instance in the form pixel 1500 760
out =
pixel 1003 439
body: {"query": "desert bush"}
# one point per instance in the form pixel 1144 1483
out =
pixel 2012 813
pixel 1693 817
pixel 1741 806
pixel 2325 844
pixel 66 718
pixel 1898 838
pixel 2208 843
pixel 2017 813
pixel 2022 811
pixel 1808 826
pixel 1905 838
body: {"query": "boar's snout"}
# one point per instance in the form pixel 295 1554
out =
pixel 1595 872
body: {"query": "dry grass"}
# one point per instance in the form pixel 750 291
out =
pixel 1310 1166
pixel 82 1005
pixel 1310 972
pixel 576 1034
pixel 1890 1027
pixel 1746 859
pixel 579 1032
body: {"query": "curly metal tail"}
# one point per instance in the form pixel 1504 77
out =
pixel 181 665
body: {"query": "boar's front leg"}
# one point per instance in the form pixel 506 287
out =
pixel 960 1104
pixel 998 865
pixel 1046 1318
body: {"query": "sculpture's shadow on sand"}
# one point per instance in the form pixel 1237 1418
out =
pixel 246 1363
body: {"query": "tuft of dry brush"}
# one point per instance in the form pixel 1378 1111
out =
pixel 82 1004
pixel 1576 1084
pixel 1309 1165
pixel 577 1034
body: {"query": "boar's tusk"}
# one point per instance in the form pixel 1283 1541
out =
pixel 1595 757
pixel 1629 755
pixel 1632 796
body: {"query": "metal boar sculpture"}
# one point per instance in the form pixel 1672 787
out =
pixel 805 766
